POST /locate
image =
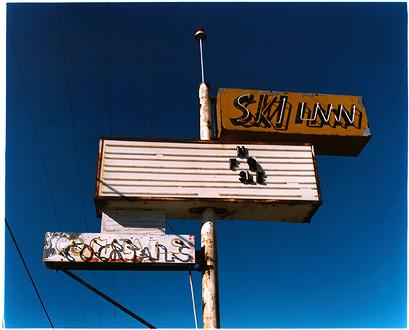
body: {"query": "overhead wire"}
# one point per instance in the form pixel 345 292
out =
pixel 107 298
pixel 151 120
pixel 193 298
pixel 70 108
pixel 155 72
pixel 36 135
pixel 192 292
pixel 114 294
pixel 109 108
pixel 109 103
pixel 28 273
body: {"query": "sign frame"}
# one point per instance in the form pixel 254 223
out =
pixel 119 251
pixel 221 206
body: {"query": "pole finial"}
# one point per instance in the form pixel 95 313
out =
pixel 200 34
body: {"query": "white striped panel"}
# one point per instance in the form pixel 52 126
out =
pixel 201 170
pixel 307 177
pixel 201 145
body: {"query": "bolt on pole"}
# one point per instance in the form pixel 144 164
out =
pixel 210 287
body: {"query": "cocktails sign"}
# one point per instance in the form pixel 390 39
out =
pixel 118 251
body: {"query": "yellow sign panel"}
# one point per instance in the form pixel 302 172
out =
pixel 335 124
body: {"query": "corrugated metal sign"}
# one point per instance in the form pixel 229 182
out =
pixel 334 124
pixel 118 251
pixel 245 181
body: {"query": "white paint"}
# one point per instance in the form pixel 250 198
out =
pixel 209 274
pixel 133 221
pixel 202 170
pixel 204 177
pixel 205 113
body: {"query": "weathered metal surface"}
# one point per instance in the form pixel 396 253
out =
pixel 118 251
pixel 334 124
pixel 205 113
pixel 133 221
pixel 208 239
pixel 261 182
pixel 210 291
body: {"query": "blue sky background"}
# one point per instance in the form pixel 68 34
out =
pixel 132 70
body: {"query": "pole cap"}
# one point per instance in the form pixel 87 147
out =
pixel 200 34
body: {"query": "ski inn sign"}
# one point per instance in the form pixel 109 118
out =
pixel 335 124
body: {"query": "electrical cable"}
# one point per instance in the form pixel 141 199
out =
pixel 155 73
pixel 109 107
pixel 193 298
pixel 114 294
pixel 109 69
pixel 36 135
pixel 113 302
pixel 70 107
pixel 171 228
pixel 28 273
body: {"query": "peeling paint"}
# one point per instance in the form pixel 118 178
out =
pixel 118 248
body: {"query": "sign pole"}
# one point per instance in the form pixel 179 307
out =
pixel 210 288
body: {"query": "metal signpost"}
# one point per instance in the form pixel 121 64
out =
pixel 260 166
pixel 208 240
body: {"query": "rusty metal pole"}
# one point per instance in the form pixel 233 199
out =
pixel 210 288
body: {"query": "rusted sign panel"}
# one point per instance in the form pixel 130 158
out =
pixel 334 124
pixel 243 181
pixel 118 251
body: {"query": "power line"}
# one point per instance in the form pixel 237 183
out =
pixel 193 298
pixel 28 273
pixel 36 136
pixel 155 73
pixel 37 140
pixel 70 107
pixel 109 107
pixel 109 69
pixel 114 294
pixel 170 227
pixel 113 302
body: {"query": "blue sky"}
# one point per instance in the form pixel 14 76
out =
pixel 132 70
